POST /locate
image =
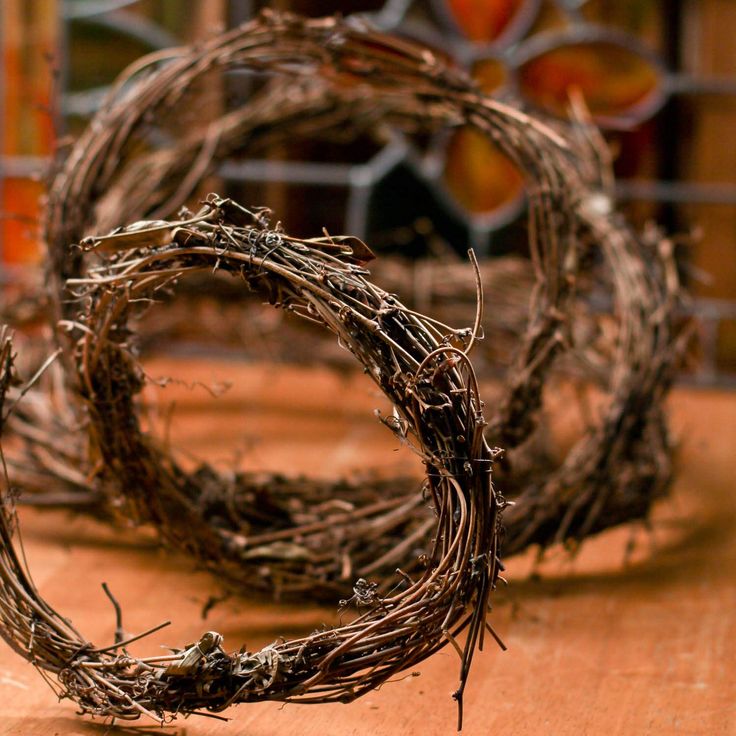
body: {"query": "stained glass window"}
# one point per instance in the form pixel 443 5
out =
pixel 659 77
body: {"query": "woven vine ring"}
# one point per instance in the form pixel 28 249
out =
pixel 422 369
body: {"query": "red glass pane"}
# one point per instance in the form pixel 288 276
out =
pixel 614 80
pixel 484 20
pixel 478 175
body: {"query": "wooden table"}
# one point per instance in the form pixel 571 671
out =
pixel 613 641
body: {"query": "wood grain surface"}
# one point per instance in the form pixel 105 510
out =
pixel 634 635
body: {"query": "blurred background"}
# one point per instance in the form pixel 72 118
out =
pixel 658 75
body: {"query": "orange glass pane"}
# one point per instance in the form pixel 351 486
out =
pixel 490 74
pixel 28 46
pixel 478 175
pixel 20 221
pixel 612 79
pixel 484 20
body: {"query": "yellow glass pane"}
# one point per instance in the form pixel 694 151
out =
pixel 478 175
pixel 490 74
pixel 612 79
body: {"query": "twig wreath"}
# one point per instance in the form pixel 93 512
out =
pixel 420 366
pixel 334 74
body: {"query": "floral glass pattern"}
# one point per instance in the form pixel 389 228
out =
pixel 622 55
